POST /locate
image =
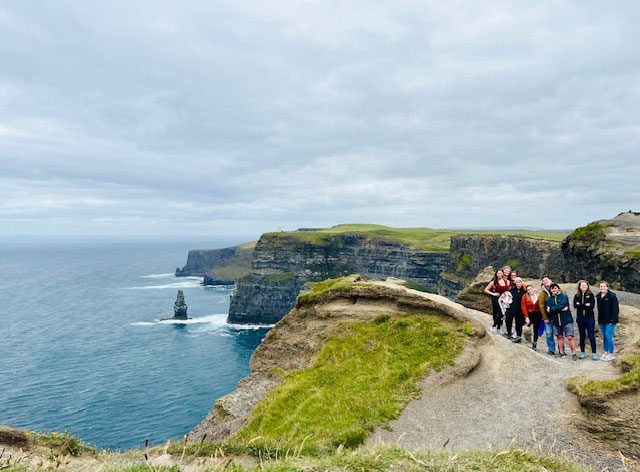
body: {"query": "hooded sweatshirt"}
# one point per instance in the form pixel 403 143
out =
pixel 557 313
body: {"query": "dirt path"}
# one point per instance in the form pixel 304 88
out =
pixel 514 397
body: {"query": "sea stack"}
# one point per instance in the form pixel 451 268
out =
pixel 180 307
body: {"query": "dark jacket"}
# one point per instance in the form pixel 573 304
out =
pixel 557 314
pixel 608 308
pixel 585 303
pixel 515 308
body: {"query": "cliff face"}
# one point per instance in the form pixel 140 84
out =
pixel 470 254
pixel 283 263
pixel 606 250
pixel 224 264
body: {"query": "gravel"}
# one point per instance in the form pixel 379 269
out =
pixel 516 397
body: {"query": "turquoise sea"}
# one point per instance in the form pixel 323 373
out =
pixel 81 347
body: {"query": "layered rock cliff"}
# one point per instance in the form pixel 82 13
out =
pixel 529 256
pixel 226 264
pixel 606 250
pixel 284 262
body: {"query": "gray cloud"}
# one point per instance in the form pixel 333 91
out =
pixel 146 117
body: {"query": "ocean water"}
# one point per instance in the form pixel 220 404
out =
pixel 81 347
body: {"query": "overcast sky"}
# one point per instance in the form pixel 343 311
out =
pixel 238 117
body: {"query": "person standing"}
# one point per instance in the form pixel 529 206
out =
pixel 542 304
pixel 495 288
pixel 514 312
pixel 584 302
pixel 608 314
pixel 531 312
pixel 560 316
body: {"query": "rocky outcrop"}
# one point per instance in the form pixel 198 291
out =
pixel 473 296
pixel 218 264
pixel 606 250
pixel 284 262
pixel 208 280
pixel 180 307
pixel 295 340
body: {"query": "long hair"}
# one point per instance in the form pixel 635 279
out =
pixel 495 277
pixel 579 291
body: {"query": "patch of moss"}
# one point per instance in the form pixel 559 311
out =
pixel 593 232
pixel 319 289
pixel 276 278
pixel 415 286
pixel 513 263
pixel 633 252
pixel 359 380
pixel 627 382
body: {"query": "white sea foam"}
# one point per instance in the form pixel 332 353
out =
pixel 215 322
pixel 184 282
pixel 158 276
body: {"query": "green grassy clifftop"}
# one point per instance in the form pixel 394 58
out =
pixel 424 239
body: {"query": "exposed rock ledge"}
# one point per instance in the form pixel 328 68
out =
pixel 296 339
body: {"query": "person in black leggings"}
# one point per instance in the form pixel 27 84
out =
pixel 494 289
pixel 531 312
pixel 584 302
pixel 514 312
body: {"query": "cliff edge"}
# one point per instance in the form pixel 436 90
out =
pixel 606 250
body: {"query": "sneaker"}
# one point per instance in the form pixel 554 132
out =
pixel 574 356
pixel 494 330
pixel 514 336
pixel 612 357
pixel 606 357
pixel 517 340
pixel 562 354
pixel 534 346
pixel 581 356
pixel 551 353
pixel 594 357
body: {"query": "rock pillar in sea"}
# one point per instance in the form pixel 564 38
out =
pixel 180 307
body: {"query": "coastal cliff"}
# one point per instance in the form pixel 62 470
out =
pixel 606 250
pixel 226 264
pixel 471 253
pixel 284 262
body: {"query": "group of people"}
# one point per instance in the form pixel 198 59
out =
pixel 549 311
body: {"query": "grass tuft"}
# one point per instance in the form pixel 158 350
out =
pixel 319 289
pixel 627 382
pixel 380 459
pixel 60 443
pixel 276 278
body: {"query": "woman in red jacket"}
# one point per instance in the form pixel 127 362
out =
pixel 531 312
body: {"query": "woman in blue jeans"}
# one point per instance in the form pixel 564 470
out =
pixel 585 302
pixel 608 311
